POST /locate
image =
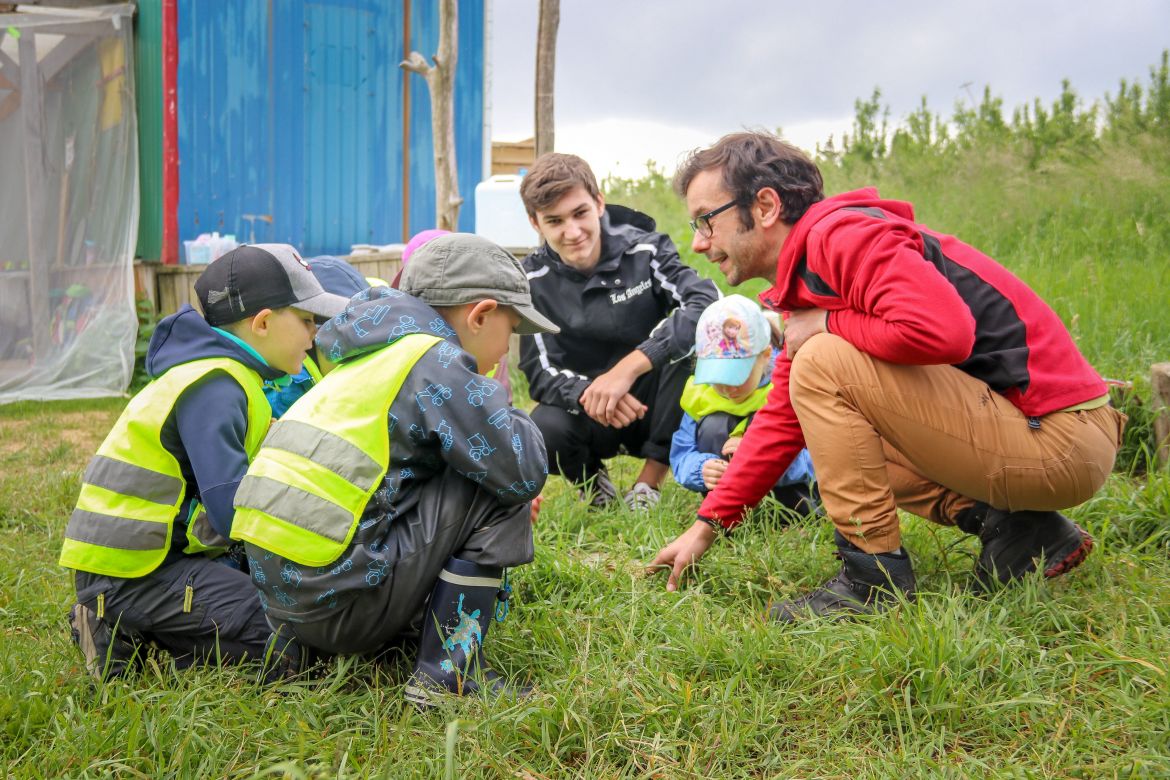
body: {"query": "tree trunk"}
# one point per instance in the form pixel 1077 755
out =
pixel 546 60
pixel 1160 392
pixel 440 79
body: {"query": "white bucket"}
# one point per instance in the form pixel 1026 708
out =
pixel 500 215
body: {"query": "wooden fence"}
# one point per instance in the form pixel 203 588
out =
pixel 170 286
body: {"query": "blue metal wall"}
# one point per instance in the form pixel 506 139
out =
pixel 469 108
pixel 293 109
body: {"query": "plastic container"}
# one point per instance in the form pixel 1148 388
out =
pixel 208 247
pixel 221 245
pixel 500 215
pixel 196 252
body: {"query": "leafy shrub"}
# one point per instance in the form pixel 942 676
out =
pixel 147 321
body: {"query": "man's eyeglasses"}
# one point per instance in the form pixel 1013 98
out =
pixel 702 223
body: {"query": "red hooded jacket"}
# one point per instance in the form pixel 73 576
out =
pixel 908 295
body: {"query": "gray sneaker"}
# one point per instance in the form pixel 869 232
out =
pixel 598 491
pixel 642 497
pixel 107 654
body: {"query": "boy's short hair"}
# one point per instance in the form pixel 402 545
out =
pixel 251 278
pixel 551 177
pixel 460 268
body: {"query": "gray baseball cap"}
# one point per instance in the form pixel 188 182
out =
pixel 460 268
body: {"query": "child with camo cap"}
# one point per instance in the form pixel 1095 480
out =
pixel 402 480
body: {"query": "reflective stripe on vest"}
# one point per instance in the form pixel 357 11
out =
pixel 133 487
pixel 308 487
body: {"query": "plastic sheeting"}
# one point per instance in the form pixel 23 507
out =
pixel 68 203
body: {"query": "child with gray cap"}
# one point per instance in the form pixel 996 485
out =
pixel 155 511
pixel 394 493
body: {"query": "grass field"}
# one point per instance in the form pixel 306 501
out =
pixel 1066 678
pixel 1061 678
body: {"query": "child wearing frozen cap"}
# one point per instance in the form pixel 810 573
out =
pixel 735 347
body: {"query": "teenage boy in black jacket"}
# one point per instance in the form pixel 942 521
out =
pixel 627 306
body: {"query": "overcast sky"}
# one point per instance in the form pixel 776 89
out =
pixel 650 79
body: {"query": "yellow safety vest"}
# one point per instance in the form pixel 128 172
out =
pixel 701 400
pixel 313 369
pixel 308 487
pixel 133 487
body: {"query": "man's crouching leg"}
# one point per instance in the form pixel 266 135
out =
pixel 847 451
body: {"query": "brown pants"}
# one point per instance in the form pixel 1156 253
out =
pixel 932 440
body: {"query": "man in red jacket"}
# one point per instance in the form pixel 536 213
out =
pixel 920 374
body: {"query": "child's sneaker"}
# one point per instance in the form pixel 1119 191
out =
pixel 107 655
pixel 642 497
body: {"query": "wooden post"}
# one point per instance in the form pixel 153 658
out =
pixel 440 79
pixel 546 60
pixel 1160 398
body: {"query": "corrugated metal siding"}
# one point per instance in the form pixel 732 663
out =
pixel 225 128
pixel 148 94
pixel 469 107
pixel 352 98
pixel 298 116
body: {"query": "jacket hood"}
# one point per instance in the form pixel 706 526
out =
pixel 795 244
pixel 337 276
pixel 185 336
pixel 623 228
pixel 377 317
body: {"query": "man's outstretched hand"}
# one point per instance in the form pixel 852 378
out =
pixel 683 553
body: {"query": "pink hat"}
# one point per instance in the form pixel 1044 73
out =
pixel 418 239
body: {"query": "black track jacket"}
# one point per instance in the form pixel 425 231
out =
pixel 640 296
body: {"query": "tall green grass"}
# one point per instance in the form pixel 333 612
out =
pixel 1062 678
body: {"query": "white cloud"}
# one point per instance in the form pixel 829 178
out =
pixel 623 147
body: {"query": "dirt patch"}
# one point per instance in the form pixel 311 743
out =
pixel 82 431
pixel 85 430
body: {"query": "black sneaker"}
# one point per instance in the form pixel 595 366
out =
pixel 1015 542
pixel 866 584
pixel 107 654
pixel 598 491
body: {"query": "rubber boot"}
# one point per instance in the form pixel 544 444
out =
pixel 450 652
pixel 867 583
pixel 1013 542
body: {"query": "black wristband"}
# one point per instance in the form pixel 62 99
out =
pixel 714 524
